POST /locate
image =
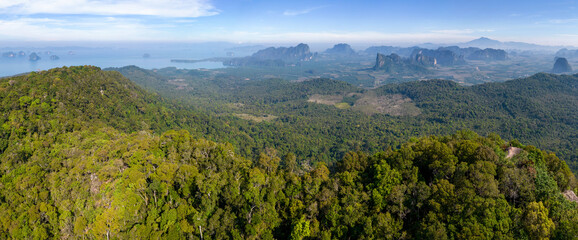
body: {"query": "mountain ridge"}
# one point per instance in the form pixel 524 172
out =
pixel 484 42
pixel 272 56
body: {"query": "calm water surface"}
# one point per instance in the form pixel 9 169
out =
pixel 104 58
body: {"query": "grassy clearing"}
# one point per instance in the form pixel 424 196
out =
pixel 342 105
pixel 333 100
pixel 326 99
pixel 250 117
pixel 179 83
pixel 369 103
pixel 394 104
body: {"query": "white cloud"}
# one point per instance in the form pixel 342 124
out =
pixel 301 12
pixel 98 19
pixel 86 30
pixel 162 8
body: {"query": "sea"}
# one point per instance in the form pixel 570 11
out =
pixel 16 60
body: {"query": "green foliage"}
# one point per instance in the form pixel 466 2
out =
pixel 537 223
pixel 78 166
pixel 541 113
pixel 300 229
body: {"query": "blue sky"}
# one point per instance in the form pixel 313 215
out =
pixel 269 21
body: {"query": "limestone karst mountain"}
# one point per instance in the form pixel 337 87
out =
pixel 341 49
pixel 561 66
pixel 394 63
pixel 274 56
pixel 430 57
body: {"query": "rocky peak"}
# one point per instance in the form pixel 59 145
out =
pixel 341 49
pixel 418 57
pixel 441 56
pixel 383 60
pixel 34 57
pixel 300 52
pixel 395 64
pixel 272 56
pixel 561 66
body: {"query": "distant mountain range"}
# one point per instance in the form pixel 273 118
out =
pixel 422 57
pixel 485 42
pixel 564 52
pixel 482 42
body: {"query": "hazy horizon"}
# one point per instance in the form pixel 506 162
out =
pixel 224 45
pixel 360 23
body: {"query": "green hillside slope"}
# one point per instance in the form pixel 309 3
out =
pixel 72 167
pixel 334 117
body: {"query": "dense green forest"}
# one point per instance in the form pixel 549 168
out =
pixel 540 110
pixel 87 153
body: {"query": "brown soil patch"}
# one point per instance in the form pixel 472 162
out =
pixel 393 104
pixel 513 151
pixel 180 83
pixel 570 196
pixel 255 118
pixel 325 99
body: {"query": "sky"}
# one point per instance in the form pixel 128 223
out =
pixel 367 22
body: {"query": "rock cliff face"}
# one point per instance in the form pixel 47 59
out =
pixel 395 64
pixel 418 57
pixel 341 49
pixel 300 52
pixel 561 66
pixel 274 57
pixel 442 56
pixel 489 54
pixel 445 56
pixel 383 61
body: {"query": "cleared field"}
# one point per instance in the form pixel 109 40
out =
pixel 394 104
pixel 255 118
pixel 179 83
pixel 342 105
pixel 369 103
pixel 326 99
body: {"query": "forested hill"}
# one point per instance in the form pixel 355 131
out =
pixel 541 109
pixel 61 99
pixel 542 96
pixel 71 98
pixel 74 165
pixel 323 119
